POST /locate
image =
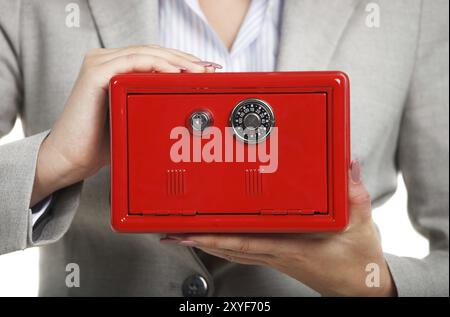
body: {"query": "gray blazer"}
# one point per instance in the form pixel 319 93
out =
pixel 400 122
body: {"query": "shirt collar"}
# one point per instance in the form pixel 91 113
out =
pixel 194 5
pixel 251 27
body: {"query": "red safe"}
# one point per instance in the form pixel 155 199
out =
pixel 229 152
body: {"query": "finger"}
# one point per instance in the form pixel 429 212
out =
pixel 251 244
pixel 130 49
pixel 175 59
pixel 359 198
pixel 210 69
pixel 256 256
pixel 131 63
pixel 188 56
pixel 236 257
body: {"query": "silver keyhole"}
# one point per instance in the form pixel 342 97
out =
pixel 200 120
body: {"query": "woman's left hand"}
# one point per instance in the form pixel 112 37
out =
pixel 334 264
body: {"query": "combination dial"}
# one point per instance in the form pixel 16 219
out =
pixel 252 120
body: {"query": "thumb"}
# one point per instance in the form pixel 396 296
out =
pixel 359 200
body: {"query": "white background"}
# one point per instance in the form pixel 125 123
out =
pixel 19 270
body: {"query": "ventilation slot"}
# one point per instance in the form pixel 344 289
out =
pixel 176 182
pixel 253 182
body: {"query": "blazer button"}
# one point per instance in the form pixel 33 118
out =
pixel 195 286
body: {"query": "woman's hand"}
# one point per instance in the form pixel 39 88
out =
pixel 78 145
pixel 333 264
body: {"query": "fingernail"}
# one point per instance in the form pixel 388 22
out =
pixel 209 64
pixel 355 172
pixel 188 243
pixel 215 65
pixel 204 64
pixel 184 243
pixel 174 237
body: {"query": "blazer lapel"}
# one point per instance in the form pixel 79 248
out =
pixel 123 23
pixel 310 32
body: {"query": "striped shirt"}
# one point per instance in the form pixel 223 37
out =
pixel 183 26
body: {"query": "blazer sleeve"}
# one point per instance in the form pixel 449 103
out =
pixel 18 159
pixel 423 158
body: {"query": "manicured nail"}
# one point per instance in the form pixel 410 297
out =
pixel 174 237
pixel 355 172
pixel 209 64
pixel 204 64
pixel 184 243
pixel 215 65
pixel 188 243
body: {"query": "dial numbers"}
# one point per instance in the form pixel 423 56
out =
pixel 252 120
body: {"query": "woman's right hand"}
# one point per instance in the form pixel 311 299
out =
pixel 78 144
